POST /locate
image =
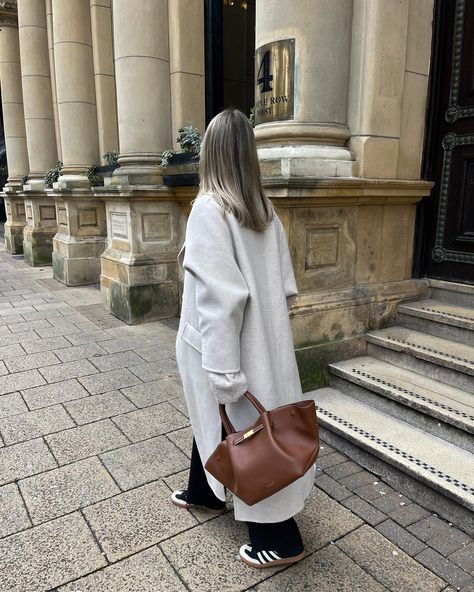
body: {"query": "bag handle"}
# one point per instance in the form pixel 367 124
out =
pixel 228 427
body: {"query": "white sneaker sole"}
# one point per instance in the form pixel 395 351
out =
pixel 273 563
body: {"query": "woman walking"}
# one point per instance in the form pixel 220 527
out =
pixel 234 333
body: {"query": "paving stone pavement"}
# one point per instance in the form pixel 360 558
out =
pixel 94 435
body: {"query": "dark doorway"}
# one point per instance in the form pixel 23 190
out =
pixel 230 51
pixel 446 231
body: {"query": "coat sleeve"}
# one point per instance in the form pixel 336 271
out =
pixel 221 290
pixel 289 281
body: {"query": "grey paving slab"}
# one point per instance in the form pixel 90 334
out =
pixel 97 407
pixel 358 479
pixel 391 502
pixel 374 491
pixel 6 340
pixel 87 440
pixel 344 469
pixel 180 404
pixel 13 515
pixel 429 527
pixel 444 568
pixel 97 336
pixel 79 352
pixel 76 369
pixel 464 558
pixel 364 510
pixel 12 404
pixel 43 345
pixel 151 421
pixel 387 563
pixel 106 381
pixel 449 542
pixel 118 360
pixel 31 361
pixel 332 487
pixel 156 352
pixel 131 342
pixel 146 461
pixel 66 489
pixel 329 460
pixel 403 539
pixel 38 315
pixel 29 325
pixel 150 393
pixel 48 555
pixel 52 394
pixel 33 424
pixel 137 519
pixel 327 570
pixel 151 371
pixel 3 369
pixel 147 571
pixel 183 439
pixel 406 515
pixel 20 381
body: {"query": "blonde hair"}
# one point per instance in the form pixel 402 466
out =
pixel 230 171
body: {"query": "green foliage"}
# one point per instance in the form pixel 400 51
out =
pixel 25 179
pixel 91 174
pixel 52 175
pixel 166 157
pixel 251 117
pixel 189 138
pixel 111 158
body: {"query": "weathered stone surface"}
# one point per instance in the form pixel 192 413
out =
pixel 97 407
pixel 20 381
pixel 67 488
pixel 34 423
pixel 450 541
pixel 151 421
pixel 327 570
pixel 67 370
pixel 146 461
pixel 332 487
pixel 429 527
pixel 183 440
pixel 117 360
pixel 51 394
pixel 87 440
pixel 330 460
pixel 42 345
pixel 384 561
pixel 31 361
pixel 150 371
pixel 13 516
pixel 464 558
pixel 22 460
pixel 364 510
pixel 406 515
pixel 147 571
pixel 342 470
pixel 136 519
pixel 79 352
pixel 151 393
pixel 391 502
pixel 49 555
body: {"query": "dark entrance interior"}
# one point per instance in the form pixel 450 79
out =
pixel 446 224
pixel 230 50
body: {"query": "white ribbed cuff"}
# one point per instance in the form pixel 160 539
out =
pixel 227 388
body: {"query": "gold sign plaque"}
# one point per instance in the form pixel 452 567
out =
pixel 275 75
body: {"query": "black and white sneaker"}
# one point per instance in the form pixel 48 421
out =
pixel 263 559
pixel 180 499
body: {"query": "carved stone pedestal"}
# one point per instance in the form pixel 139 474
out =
pixel 41 226
pixel 139 271
pixel 81 236
pixel 15 210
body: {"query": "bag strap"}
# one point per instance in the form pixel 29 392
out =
pixel 228 427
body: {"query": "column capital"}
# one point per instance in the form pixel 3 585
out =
pixel 9 13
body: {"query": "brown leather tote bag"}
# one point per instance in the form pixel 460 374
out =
pixel 279 448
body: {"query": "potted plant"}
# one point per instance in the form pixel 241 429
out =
pixel 181 168
pixel 96 173
pixel 52 175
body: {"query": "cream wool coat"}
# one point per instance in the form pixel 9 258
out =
pixel 238 284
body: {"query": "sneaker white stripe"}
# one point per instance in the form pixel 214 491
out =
pixel 267 555
pixel 261 557
pixel 274 555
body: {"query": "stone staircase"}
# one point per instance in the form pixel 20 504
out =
pixel 406 409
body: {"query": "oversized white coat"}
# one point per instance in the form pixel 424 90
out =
pixel 237 287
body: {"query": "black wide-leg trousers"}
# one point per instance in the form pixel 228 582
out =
pixel 282 537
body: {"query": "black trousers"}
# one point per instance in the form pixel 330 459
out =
pixel 282 537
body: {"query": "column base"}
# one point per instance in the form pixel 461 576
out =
pixel 41 226
pixel 15 211
pixel 81 237
pixel 13 239
pixel 136 304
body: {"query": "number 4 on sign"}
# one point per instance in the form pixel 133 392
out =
pixel 264 77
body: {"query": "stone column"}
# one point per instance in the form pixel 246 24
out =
pixel 104 73
pixel 80 239
pixel 14 127
pixel 313 142
pixel 40 134
pixel 139 277
pixel 143 88
pixel 52 69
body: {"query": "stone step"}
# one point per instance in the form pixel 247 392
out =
pixel 452 292
pixel 440 359
pixel 442 319
pixel 430 405
pixel 432 461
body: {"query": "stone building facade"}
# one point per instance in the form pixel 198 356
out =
pixel 80 78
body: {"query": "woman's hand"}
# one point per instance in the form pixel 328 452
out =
pixel 227 388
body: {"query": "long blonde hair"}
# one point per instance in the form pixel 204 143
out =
pixel 230 171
